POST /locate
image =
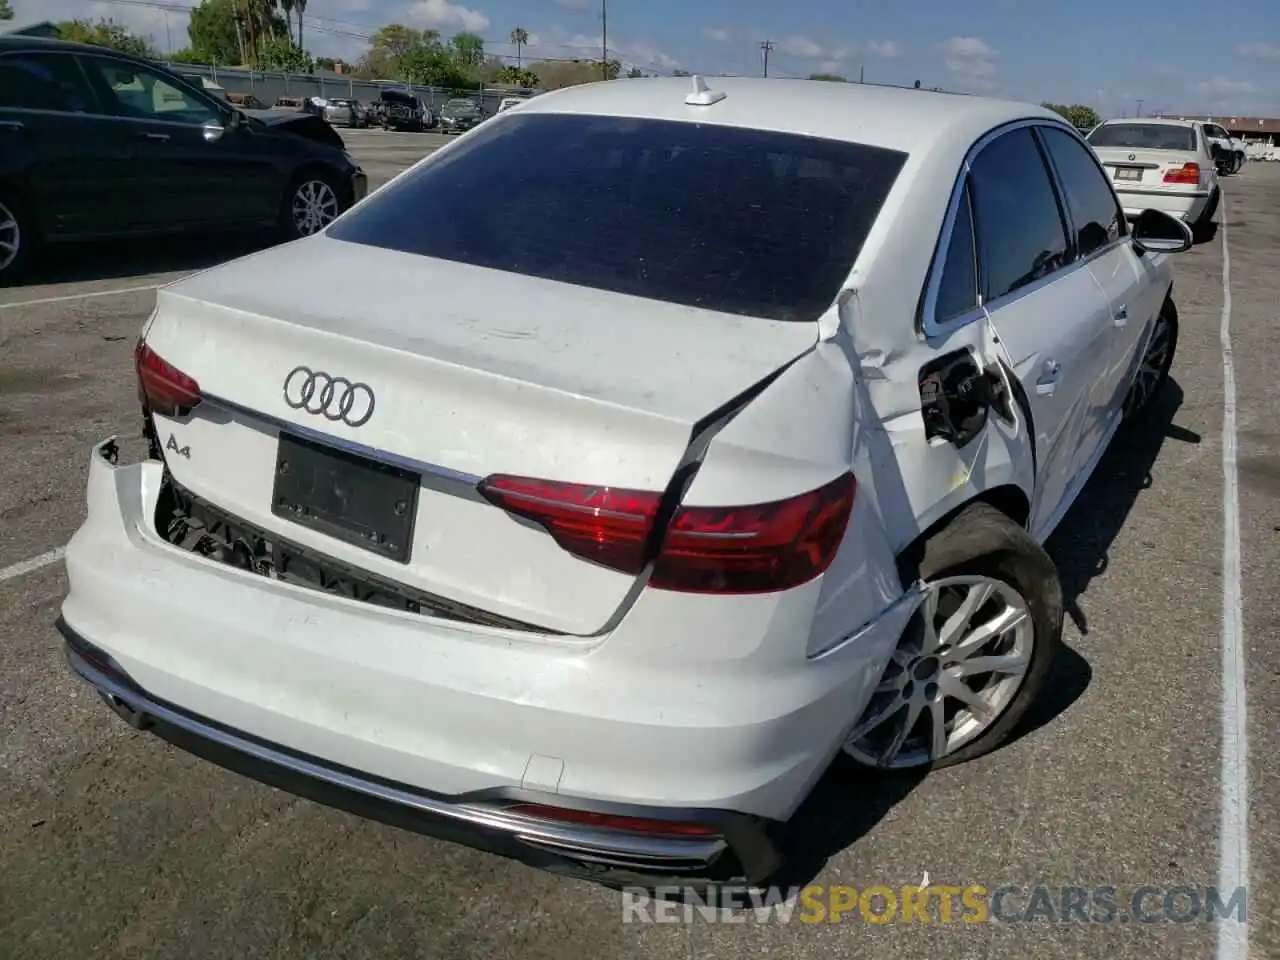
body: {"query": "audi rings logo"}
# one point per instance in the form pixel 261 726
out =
pixel 334 398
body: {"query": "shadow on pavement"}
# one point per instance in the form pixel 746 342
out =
pixel 1081 544
pixel 136 257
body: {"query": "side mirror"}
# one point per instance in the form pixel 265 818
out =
pixel 213 132
pixel 1155 231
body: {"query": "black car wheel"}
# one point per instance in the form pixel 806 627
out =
pixel 17 238
pixel 312 203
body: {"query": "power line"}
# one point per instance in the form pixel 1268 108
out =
pixel 765 47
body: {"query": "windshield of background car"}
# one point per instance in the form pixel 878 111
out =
pixel 1144 136
pixel 723 218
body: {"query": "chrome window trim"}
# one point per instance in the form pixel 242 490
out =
pixel 1062 191
pixel 929 326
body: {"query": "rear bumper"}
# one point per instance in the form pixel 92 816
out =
pixel 739 847
pixel 1186 206
pixel 682 717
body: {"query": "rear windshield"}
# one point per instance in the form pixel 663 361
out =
pixel 1152 136
pixel 728 219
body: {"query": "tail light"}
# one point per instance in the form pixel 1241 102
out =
pixel 1188 173
pixel 761 548
pixel 162 387
pixel 584 818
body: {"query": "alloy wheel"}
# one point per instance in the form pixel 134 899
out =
pixel 1152 369
pixel 315 206
pixel 10 237
pixel 955 671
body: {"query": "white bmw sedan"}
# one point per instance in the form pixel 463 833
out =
pixel 678 453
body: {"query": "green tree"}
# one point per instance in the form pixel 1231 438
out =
pixel 6 10
pixel 517 76
pixel 467 50
pixel 1077 114
pixel 186 55
pixel 107 33
pixel 281 53
pixel 519 37
pixel 326 63
pixel 212 33
pixel 390 46
pixel 833 77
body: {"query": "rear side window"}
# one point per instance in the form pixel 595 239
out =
pixel 1144 136
pixel 44 81
pixel 958 290
pixel 1021 236
pixel 735 220
pixel 1095 214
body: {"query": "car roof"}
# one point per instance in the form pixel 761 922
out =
pixel 897 118
pixel 1152 121
pixel 13 41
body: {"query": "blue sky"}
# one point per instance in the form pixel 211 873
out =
pixel 1177 55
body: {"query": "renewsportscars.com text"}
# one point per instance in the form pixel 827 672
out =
pixel 936 904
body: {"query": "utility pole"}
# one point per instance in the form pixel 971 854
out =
pixel 862 74
pixel 765 47
pixel 1140 101
pixel 604 40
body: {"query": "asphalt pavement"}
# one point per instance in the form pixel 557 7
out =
pixel 114 845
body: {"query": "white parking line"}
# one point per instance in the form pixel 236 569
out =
pixel 80 296
pixel 1233 827
pixel 30 566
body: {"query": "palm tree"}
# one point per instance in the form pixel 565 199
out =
pixel 301 7
pixel 287 8
pixel 519 36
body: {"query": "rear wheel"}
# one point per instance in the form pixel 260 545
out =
pixel 312 202
pixel 17 238
pixel 977 652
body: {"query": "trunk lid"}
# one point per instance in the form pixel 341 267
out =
pixel 473 372
pixel 1148 167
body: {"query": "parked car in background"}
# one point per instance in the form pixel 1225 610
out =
pixel 611 595
pixel 97 143
pixel 1227 150
pixel 460 115
pixel 1160 164
pixel 342 112
pixel 403 111
pixel 245 101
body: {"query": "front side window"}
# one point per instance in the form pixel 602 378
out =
pixel 736 220
pixel 1021 236
pixel 143 94
pixel 1095 214
pixel 44 81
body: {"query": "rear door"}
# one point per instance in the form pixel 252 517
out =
pixel 54 138
pixel 1047 309
pixel 1102 242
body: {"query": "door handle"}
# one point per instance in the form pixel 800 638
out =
pixel 11 125
pixel 159 137
pixel 1050 373
pixel 1122 315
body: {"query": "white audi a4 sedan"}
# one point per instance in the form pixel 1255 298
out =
pixel 678 452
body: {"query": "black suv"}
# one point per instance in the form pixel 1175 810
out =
pixel 95 143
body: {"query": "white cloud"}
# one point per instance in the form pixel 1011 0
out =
pixel 889 49
pixel 574 4
pixel 718 34
pixel 1259 51
pixel 632 53
pixel 965 48
pixel 802 46
pixel 970 61
pixel 160 25
pixel 1223 87
pixel 441 14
